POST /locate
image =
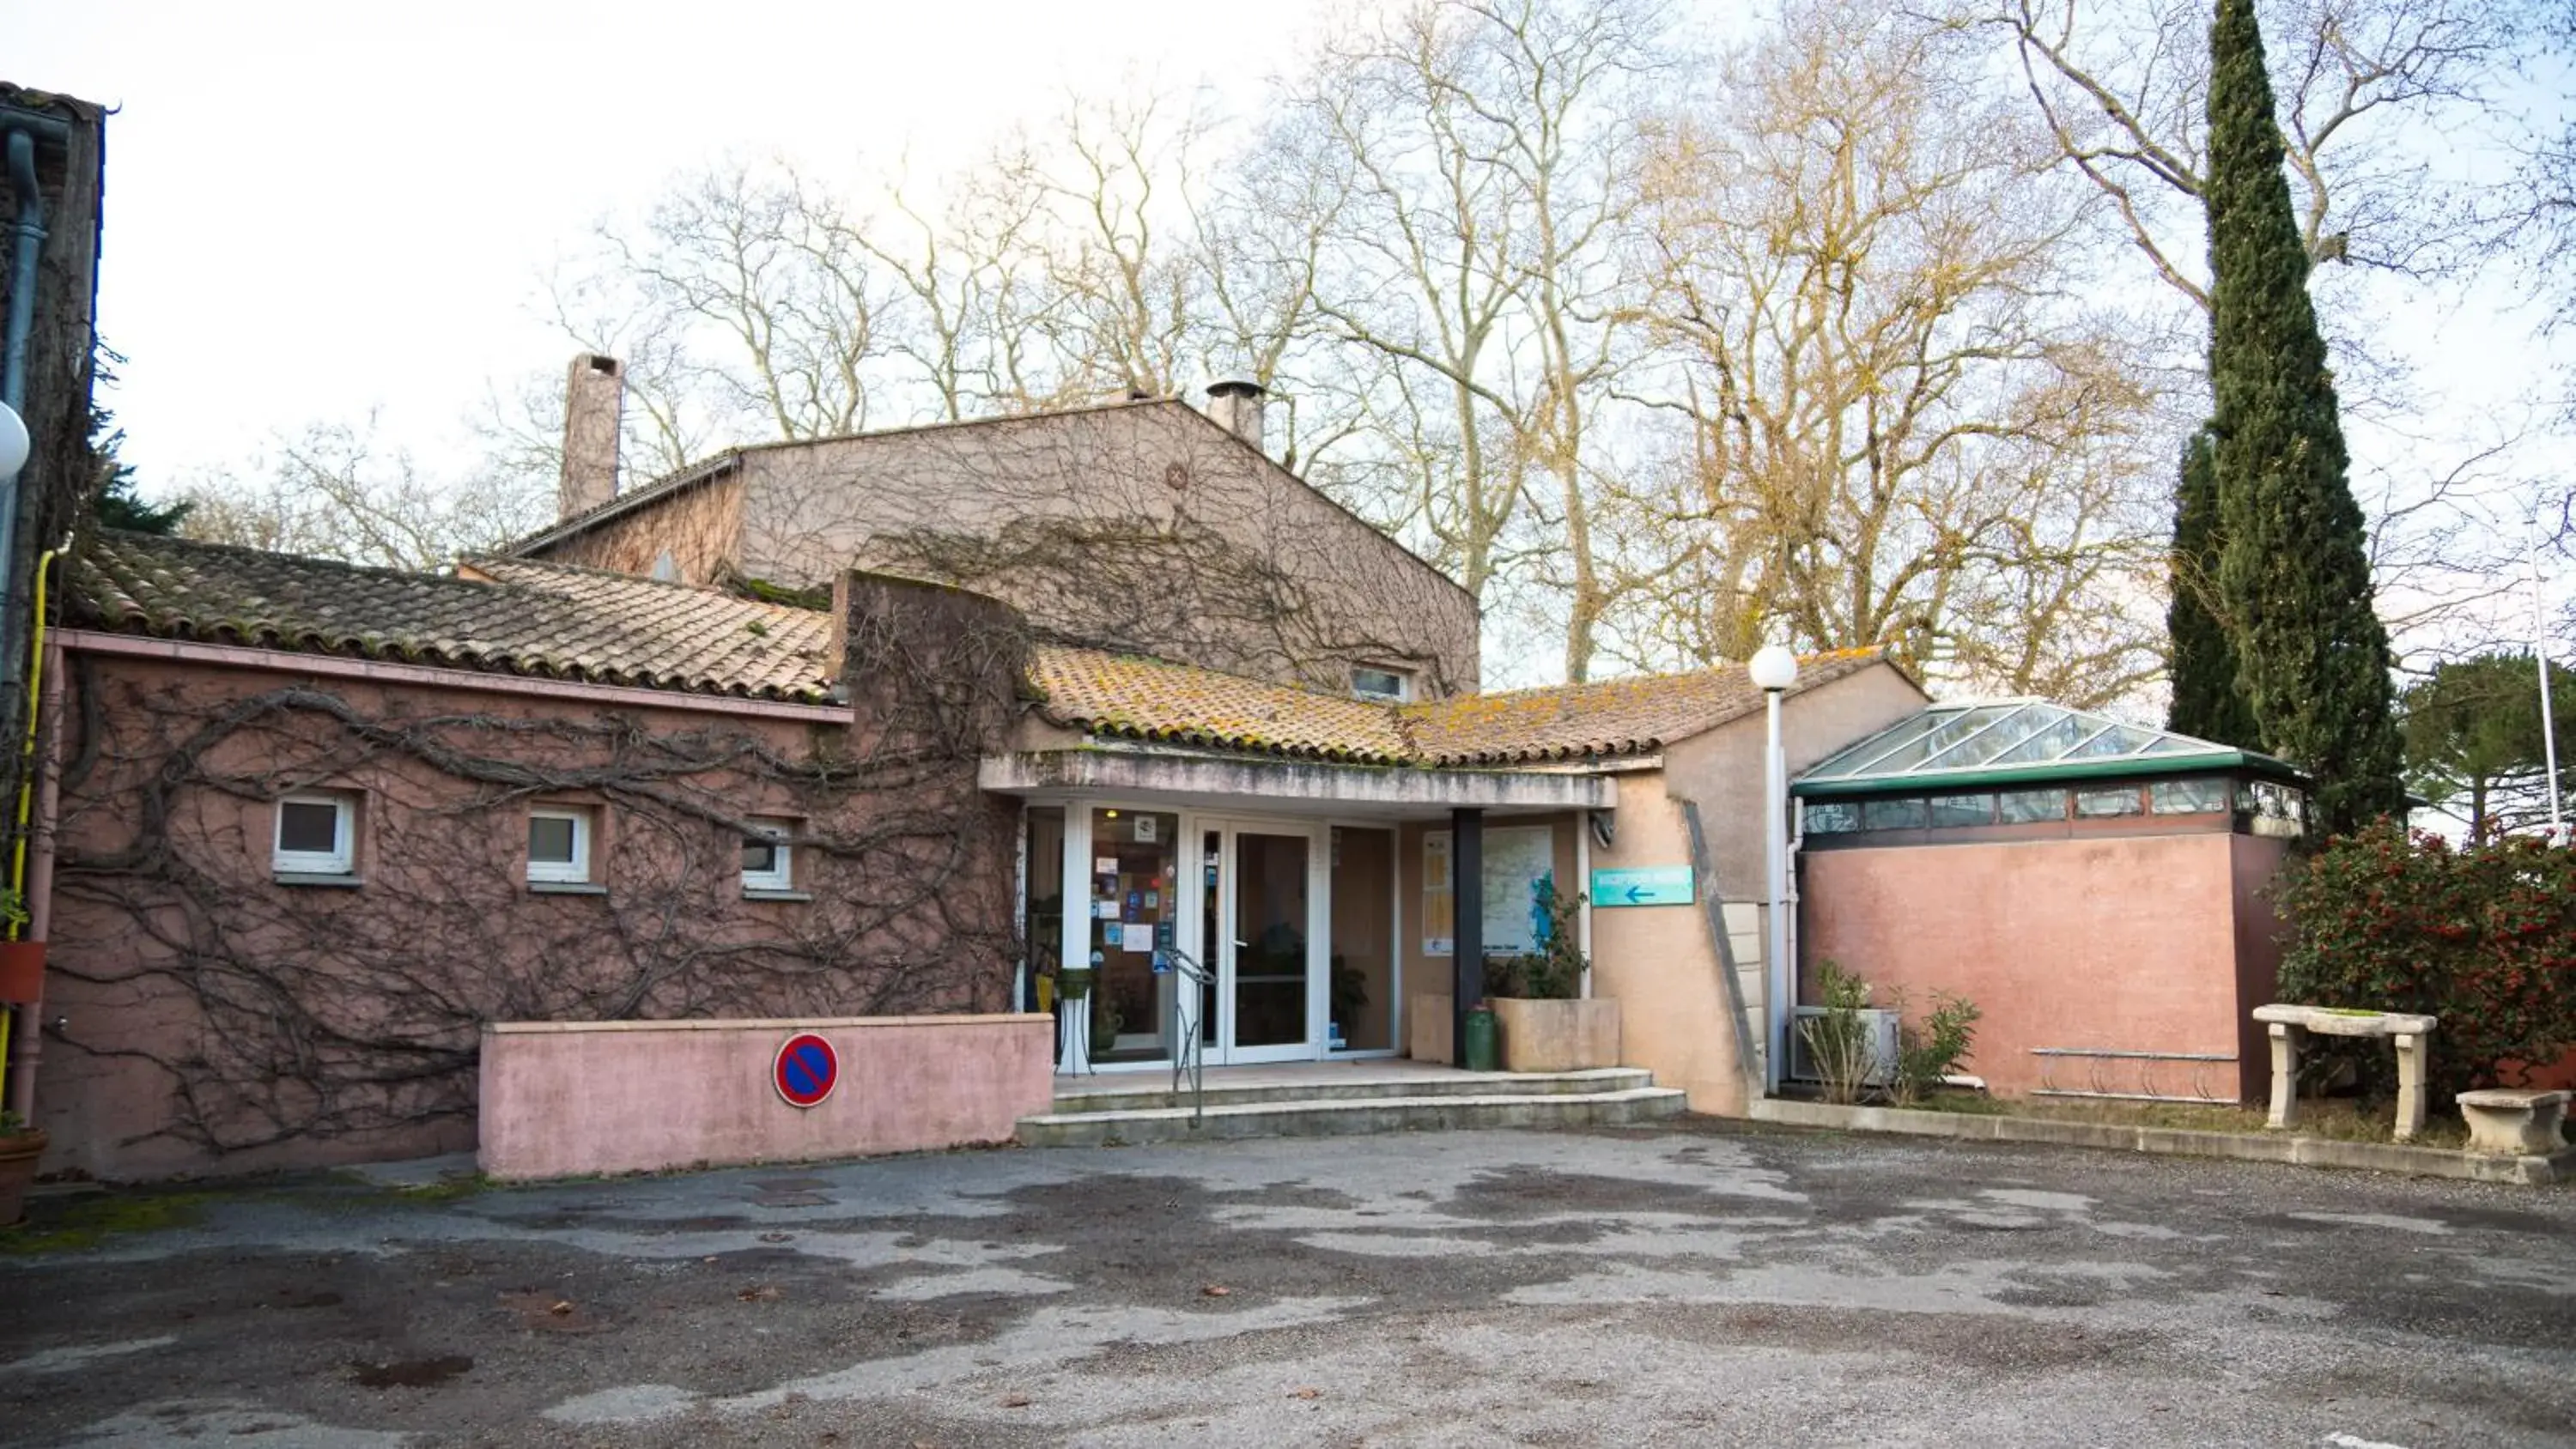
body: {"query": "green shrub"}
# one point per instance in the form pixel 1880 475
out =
pixel 1933 1048
pixel 2481 936
pixel 1838 1045
pixel 1553 972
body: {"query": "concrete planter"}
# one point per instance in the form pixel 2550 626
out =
pixel 1558 1036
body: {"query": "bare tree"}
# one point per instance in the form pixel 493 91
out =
pixel 1899 429
pixel 331 492
pixel 2121 87
pixel 1492 156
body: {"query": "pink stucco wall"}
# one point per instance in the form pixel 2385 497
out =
pixel 561 1099
pixel 2144 943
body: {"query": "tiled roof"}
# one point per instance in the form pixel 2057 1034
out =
pixel 1145 699
pixel 559 622
pixel 546 620
pixel 1606 719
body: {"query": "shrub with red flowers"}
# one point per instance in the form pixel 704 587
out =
pixel 2482 936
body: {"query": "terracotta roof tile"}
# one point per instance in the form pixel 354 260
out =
pixel 546 620
pixel 556 621
pixel 1148 699
pixel 1610 718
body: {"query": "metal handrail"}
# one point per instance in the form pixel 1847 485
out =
pixel 1187 1063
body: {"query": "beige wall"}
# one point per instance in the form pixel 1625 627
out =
pixel 1721 774
pixel 1661 963
pixel 2128 943
pixel 1363 925
pixel 1145 527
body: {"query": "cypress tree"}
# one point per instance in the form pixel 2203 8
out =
pixel 2294 569
pixel 2207 701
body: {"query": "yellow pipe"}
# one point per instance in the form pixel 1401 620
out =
pixel 27 750
pixel 26 795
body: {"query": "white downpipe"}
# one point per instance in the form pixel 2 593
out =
pixel 1775 788
pixel 1583 894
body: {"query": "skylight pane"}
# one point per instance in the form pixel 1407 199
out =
pixel 2005 736
pixel 2047 744
pixel 2119 739
pixel 1949 731
pixel 1861 757
pixel 2176 745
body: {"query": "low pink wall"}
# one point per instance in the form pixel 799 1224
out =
pixel 2120 943
pixel 561 1099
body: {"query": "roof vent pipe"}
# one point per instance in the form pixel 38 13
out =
pixel 594 400
pixel 1237 404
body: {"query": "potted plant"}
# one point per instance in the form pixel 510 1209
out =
pixel 1547 1025
pixel 22 963
pixel 20 1146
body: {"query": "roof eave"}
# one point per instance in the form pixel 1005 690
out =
pixel 2133 767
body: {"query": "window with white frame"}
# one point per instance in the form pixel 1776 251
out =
pixel 766 857
pixel 317 834
pixel 1387 686
pixel 558 844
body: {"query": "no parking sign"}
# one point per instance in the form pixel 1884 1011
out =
pixel 806 1071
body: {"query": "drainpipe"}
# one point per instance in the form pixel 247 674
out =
pixel 39 887
pixel 22 129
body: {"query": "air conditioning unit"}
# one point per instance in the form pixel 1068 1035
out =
pixel 1878 1030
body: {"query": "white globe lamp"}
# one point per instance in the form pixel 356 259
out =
pixel 13 441
pixel 1774 667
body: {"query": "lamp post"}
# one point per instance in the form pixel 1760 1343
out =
pixel 1774 669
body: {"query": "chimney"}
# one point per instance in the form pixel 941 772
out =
pixel 594 396
pixel 1237 405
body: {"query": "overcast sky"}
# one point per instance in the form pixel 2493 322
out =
pixel 315 209
pixel 319 209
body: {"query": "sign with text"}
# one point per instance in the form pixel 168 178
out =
pixel 1644 885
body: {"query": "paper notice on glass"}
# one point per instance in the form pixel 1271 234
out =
pixel 1105 910
pixel 1138 937
pixel 1104 865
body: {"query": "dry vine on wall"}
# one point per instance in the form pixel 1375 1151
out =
pixel 279 1013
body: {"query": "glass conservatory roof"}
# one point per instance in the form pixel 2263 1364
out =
pixel 2013 741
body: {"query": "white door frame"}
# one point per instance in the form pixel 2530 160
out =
pixel 1220 955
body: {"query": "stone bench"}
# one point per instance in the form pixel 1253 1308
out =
pixel 2508 1120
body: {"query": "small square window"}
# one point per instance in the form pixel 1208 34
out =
pixel 1388 686
pixel 1832 817
pixel 2030 807
pixel 767 858
pixel 2103 804
pixel 558 844
pixel 2187 797
pixel 1910 814
pixel 316 835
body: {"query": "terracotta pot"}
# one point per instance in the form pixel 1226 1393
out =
pixel 22 970
pixel 18 1154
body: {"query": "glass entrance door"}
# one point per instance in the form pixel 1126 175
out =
pixel 1260 909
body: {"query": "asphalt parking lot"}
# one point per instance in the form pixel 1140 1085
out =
pixel 1693 1283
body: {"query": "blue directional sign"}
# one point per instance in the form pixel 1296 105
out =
pixel 1645 885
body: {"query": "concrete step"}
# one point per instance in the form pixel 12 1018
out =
pixel 1334 1117
pixel 1145 1093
